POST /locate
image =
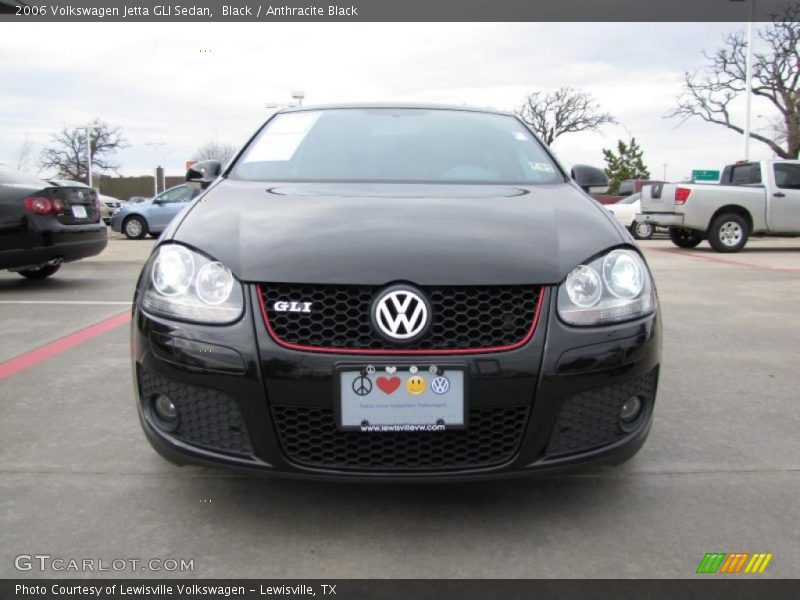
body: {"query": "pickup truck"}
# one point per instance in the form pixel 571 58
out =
pixel 752 198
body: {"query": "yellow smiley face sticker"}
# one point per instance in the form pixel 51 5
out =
pixel 416 385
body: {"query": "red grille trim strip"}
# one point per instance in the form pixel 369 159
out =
pixel 399 352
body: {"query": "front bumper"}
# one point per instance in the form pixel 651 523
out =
pixel 116 222
pixel 661 219
pixel 252 405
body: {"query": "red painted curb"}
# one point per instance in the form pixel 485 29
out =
pixel 727 261
pixel 42 353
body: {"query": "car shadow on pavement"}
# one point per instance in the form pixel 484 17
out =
pixel 49 285
pixel 440 504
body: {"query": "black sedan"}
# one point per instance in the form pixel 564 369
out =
pixel 395 293
pixel 43 225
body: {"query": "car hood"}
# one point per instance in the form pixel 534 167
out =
pixel 373 234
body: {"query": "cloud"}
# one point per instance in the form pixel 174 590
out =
pixel 186 83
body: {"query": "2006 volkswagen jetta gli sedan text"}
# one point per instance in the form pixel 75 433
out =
pixel 395 293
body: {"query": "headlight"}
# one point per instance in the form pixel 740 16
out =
pixel 185 285
pixel 615 287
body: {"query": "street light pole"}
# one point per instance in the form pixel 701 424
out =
pixel 155 172
pixel 89 156
pixel 665 171
pixel 748 80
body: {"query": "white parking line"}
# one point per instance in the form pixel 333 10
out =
pixel 62 302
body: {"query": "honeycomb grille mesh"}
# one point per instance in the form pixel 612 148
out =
pixel 591 418
pixel 206 417
pixel 463 317
pixel 309 437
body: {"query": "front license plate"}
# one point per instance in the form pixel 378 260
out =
pixel 387 398
pixel 79 211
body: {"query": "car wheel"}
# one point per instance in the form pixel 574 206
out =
pixel 684 238
pixel 134 228
pixel 728 233
pixel 642 231
pixel 40 272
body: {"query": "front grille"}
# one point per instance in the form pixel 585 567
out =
pixel 309 437
pixel 591 419
pixel 464 318
pixel 206 417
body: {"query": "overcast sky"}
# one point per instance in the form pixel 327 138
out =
pixel 154 82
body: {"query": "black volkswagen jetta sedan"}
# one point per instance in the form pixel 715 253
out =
pixel 43 225
pixel 395 293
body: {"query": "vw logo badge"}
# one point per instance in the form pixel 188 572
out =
pixel 440 385
pixel 401 313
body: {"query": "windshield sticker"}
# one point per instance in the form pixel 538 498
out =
pixel 544 167
pixel 284 135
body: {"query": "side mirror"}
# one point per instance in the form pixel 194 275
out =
pixel 591 179
pixel 204 172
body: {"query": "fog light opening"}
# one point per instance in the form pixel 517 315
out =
pixel 165 412
pixel 631 409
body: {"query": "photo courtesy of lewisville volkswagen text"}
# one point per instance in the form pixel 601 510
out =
pixel 359 300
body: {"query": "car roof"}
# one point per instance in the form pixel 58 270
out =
pixel 67 183
pixel 397 105
pixel 9 175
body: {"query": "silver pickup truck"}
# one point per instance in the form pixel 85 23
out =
pixel 752 198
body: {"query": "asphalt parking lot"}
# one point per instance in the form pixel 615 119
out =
pixel 720 472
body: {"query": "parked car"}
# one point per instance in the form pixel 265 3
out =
pixel 752 199
pixel 627 187
pixel 390 293
pixel 44 225
pixel 138 199
pixel 151 216
pixel 107 204
pixel 625 211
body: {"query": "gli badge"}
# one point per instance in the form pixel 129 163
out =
pixel 292 306
pixel 416 385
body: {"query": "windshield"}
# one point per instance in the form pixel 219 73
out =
pixel 396 145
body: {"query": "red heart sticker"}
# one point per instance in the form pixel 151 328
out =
pixel 388 384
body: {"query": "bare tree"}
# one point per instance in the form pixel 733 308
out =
pixel 24 158
pixel 67 153
pixel 215 150
pixel 708 92
pixel 566 110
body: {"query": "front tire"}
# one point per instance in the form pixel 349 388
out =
pixel 684 238
pixel 642 231
pixel 134 228
pixel 42 272
pixel 728 233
